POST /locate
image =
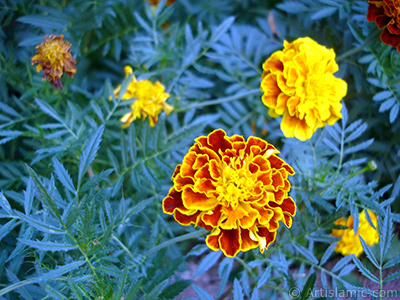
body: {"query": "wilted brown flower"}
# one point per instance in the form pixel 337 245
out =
pixel 54 57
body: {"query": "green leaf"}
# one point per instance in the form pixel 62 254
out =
pixel 306 253
pixel 363 269
pixel 43 21
pixel 202 294
pixel 39 225
pixel 392 276
pixel 29 196
pixel 90 151
pixel 208 261
pixel 392 262
pixel 176 288
pixel 368 252
pixel 6 228
pixel 308 287
pixel 48 246
pixel 4 204
pixel 237 290
pixel 95 180
pixel 44 277
pixel 221 29
pixel 63 176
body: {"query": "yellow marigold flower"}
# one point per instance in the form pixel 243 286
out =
pixel 350 243
pixel 150 101
pixel 237 189
pixel 54 57
pixel 155 2
pixel 298 84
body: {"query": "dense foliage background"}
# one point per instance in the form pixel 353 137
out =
pixel 81 214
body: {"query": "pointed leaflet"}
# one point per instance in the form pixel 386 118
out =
pixel 46 276
pixel 88 155
pixel 29 195
pixel 47 246
pixel 63 176
pixel 237 290
pixel 363 269
pixel 207 262
pixel 368 252
pixel 202 294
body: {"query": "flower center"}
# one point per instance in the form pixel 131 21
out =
pixel 53 52
pixel 235 184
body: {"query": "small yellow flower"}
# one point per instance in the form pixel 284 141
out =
pixel 155 2
pixel 238 189
pixel 150 101
pixel 54 57
pixel 350 243
pixel 299 85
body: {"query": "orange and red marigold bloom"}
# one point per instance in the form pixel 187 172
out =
pixel 237 189
pixel 54 58
pixel 386 14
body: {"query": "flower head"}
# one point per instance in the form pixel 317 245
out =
pixel 386 14
pixel 298 84
pixel 155 2
pixel 237 189
pixel 350 242
pixel 54 57
pixel 150 101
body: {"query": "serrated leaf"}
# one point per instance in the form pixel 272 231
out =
pixel 237 290
pixel 7 228
pixel 221 29
pixel 394 112
pixel 4 204
pixel 39 225
pixel 292 7
pixel 202 294
pixel 44 277
pixel 392 262
pixel 308 287
pixel 392 276
pixel 89 152
pixel 176 288
pixel 29 195
pixel 63 176
pixel 95 180
pixel 207 262
pixel 368 252
pixel 48 246
pixel 323 13
pixel 327 254
pixel 43 21
pixel 306 253
pixel 363 270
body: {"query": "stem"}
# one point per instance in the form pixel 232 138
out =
pixel 178 239
pixel 220 100
pixel 370 40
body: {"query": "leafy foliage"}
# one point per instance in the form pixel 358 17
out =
pixel 80 198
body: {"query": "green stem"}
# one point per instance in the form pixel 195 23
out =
pixel 178 239
pixel 370 40
pixel 220 100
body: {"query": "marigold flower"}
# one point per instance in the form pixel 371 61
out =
pixel 155 2
pixel 298 84
pixel 386 14
pixel 237 189
pixel 350 242
pixel 150 101
pixel 54 57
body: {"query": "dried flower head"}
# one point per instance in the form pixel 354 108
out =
pixel 298 84
pixel 386 14
pixel 150 101
pixel 155 2
pixel 236 188
pixel 350 242
pixel 54 57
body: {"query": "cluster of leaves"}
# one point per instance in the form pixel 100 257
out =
pixel 80 201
